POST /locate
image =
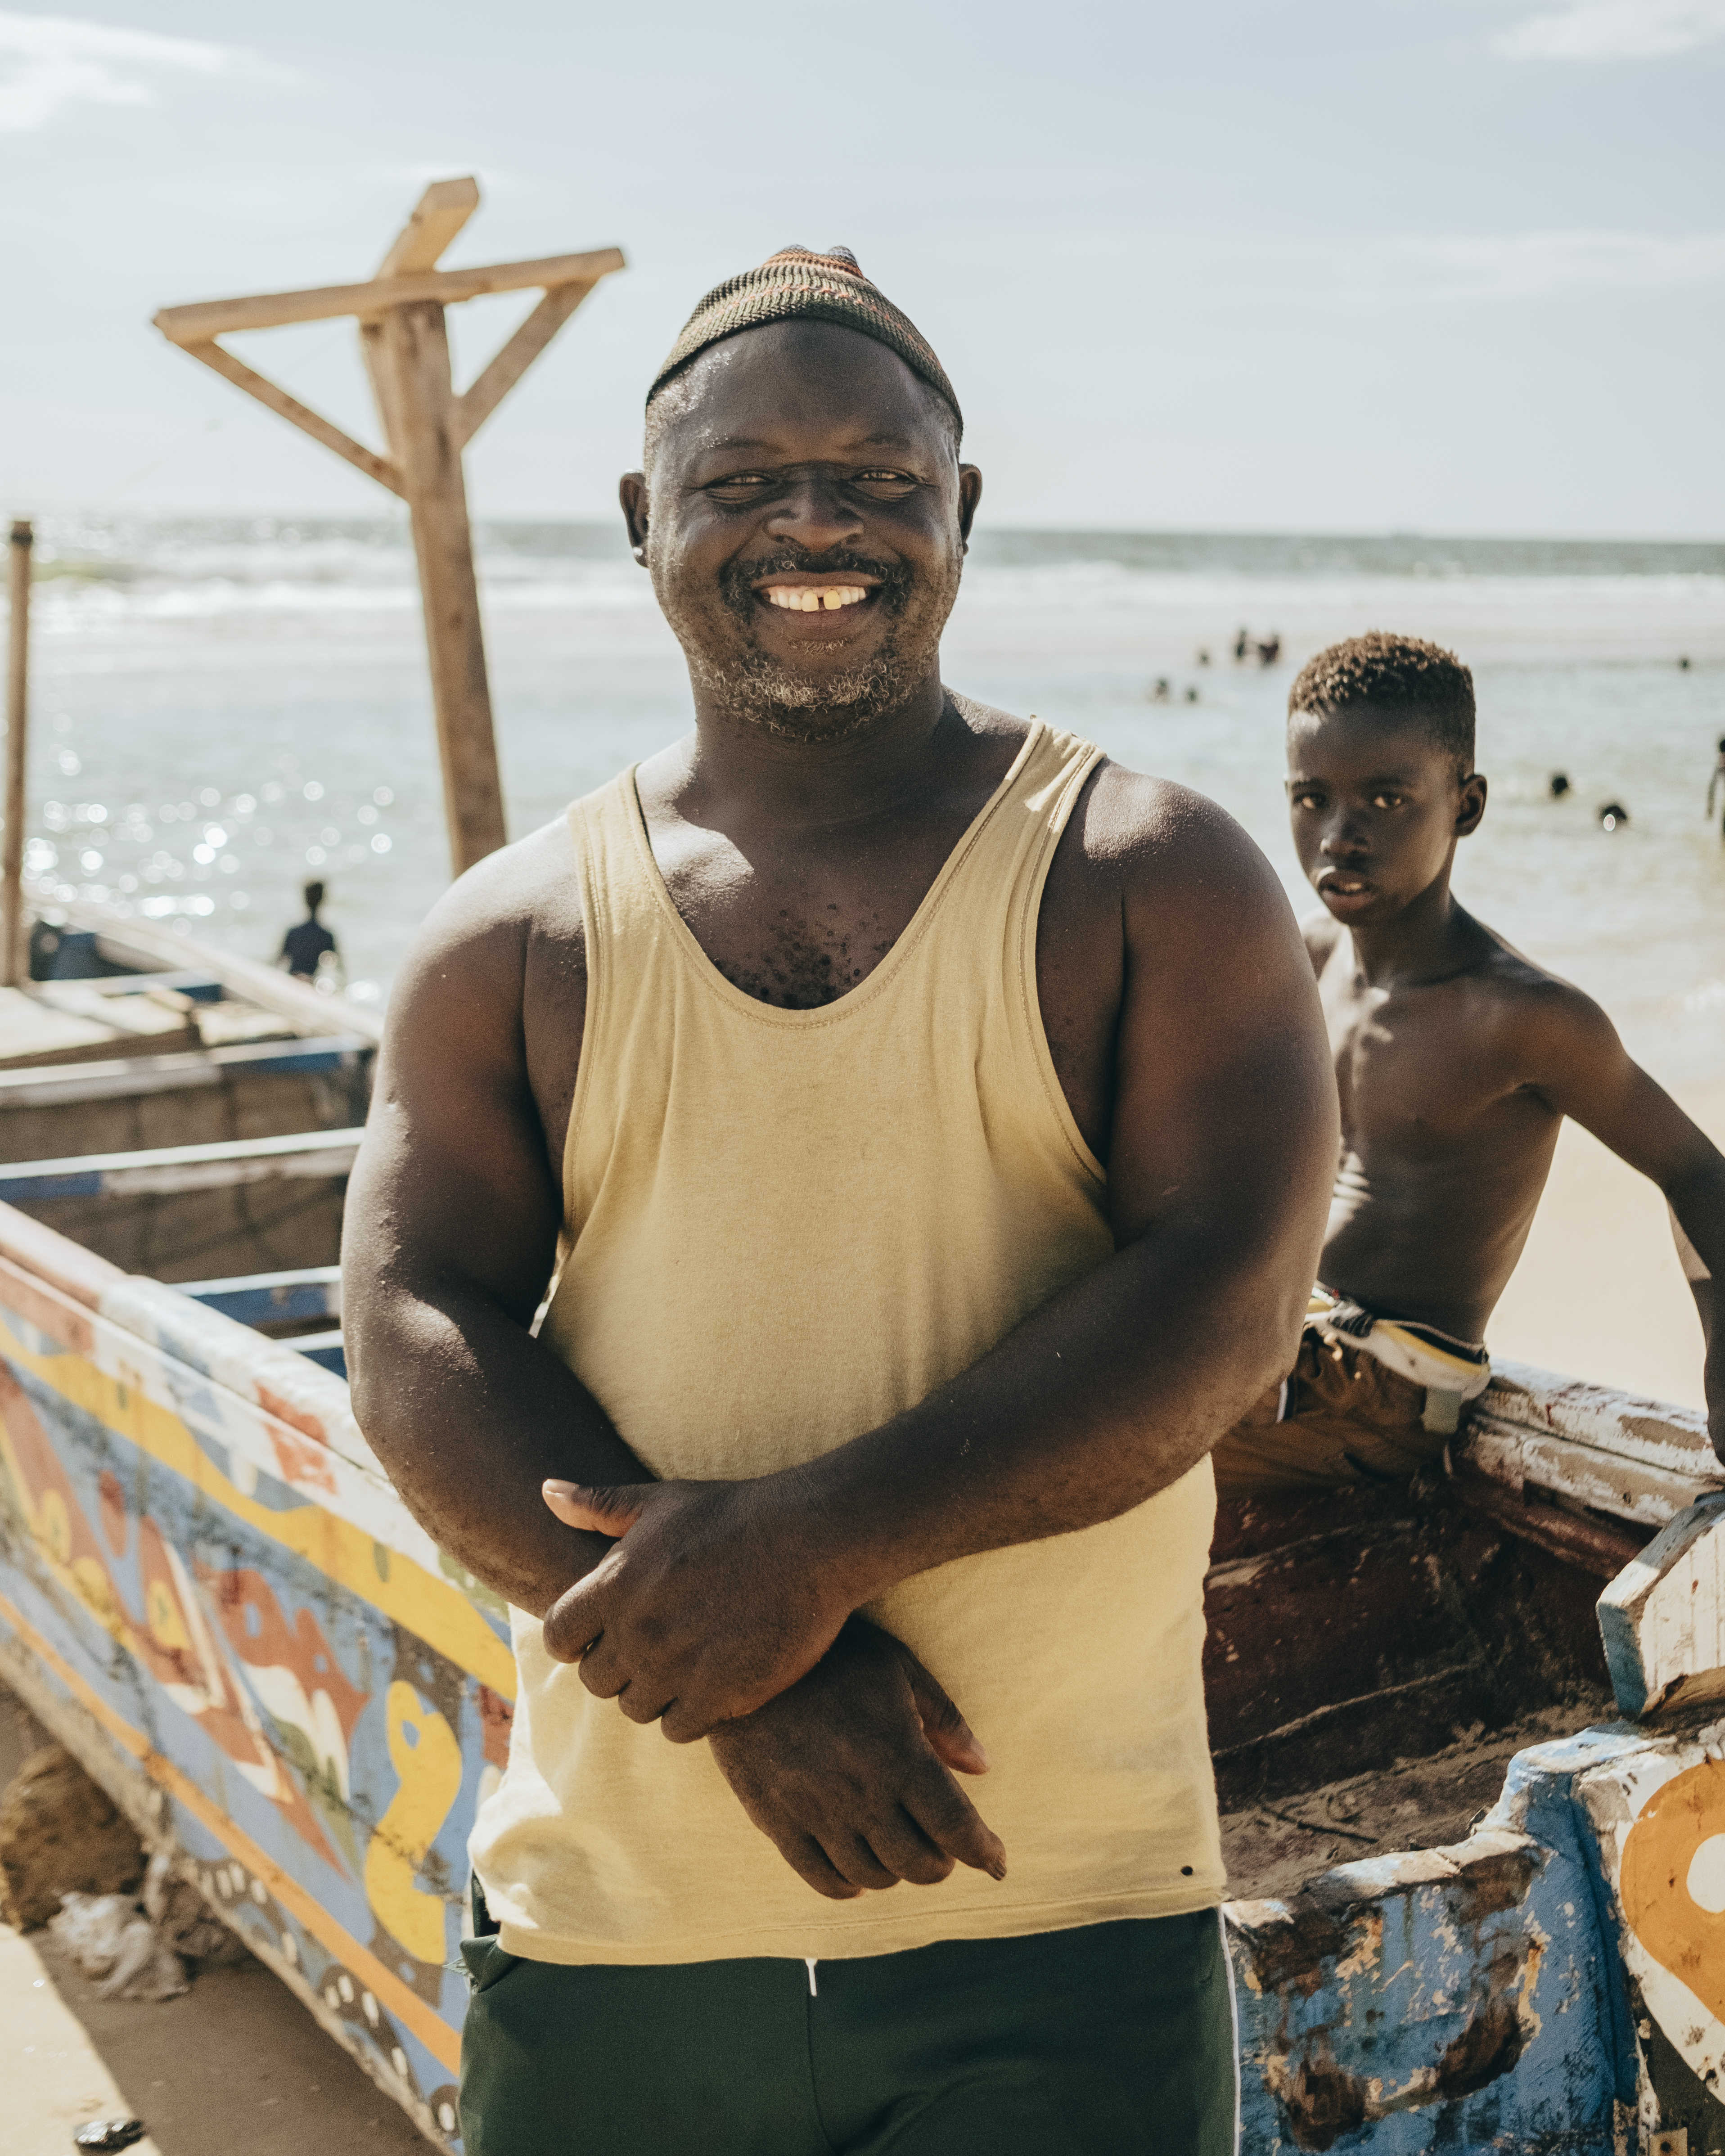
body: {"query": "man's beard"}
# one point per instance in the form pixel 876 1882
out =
pixel 761 690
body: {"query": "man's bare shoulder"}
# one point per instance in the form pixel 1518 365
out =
pixel 1166 844
pixel 483 934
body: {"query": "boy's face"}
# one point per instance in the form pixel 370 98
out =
pixel 1376 813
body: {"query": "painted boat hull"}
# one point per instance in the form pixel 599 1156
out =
pixel 210 1593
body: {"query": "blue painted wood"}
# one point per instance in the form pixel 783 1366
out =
pixel 182 1168
pixel 323 1348
pixel 263 1298
pixel 187 1067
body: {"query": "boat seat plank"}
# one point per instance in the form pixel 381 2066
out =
pixel 301 1153
pixel 257 1298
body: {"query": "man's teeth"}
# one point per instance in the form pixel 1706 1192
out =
pixel 811 598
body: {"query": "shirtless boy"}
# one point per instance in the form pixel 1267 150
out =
pixel 1456 1060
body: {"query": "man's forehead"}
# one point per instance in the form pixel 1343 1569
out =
pixel 775 441
pixel 771 390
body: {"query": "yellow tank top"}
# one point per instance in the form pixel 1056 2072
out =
pixel 784 1227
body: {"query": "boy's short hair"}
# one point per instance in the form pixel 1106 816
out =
pixel 1410 682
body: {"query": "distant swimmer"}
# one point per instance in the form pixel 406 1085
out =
pixel 1161 693
pixel 1716 781
pixel 1203 654
pixel 1458 1060
pixel 1560 786
pixel 304 947
pixel 1242 645
pixel 1270 651
pixel 1612 815
pixel 1191 693
pixel 1683 664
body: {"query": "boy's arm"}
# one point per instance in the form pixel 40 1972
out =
pixel 1318 932
pixel 1588 1074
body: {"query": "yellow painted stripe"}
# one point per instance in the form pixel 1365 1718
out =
pixel 409 2008
pixel 431 1608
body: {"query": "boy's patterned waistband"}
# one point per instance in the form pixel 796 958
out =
pixel 1420 1354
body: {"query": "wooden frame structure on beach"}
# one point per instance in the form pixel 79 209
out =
pixel 426 424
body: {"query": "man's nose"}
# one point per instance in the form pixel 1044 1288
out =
pixel 814 515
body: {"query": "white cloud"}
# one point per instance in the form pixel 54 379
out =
pixel 49 63
pixel 1614 30
pixel 1518 265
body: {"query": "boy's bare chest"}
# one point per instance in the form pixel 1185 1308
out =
pixel 1416 1070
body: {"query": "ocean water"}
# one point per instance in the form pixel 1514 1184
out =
pixel 223 709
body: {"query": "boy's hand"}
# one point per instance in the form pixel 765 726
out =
pixel 713 1600
pixel 847 1772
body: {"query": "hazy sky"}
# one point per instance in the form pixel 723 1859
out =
pixel 1442 265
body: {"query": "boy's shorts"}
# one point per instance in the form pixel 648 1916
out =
pixel 1341 1418
pixel 1112 2040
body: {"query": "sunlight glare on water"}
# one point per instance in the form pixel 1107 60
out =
pixel 225 708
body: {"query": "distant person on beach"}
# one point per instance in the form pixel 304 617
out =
pixel 1716 781
pixel 1612 815
pixel 1270 651
pixel 303 946
pixel 1559 784
pixel 1457 1061
pixel 1242 647
pixel 953 1137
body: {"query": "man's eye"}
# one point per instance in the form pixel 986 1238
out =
pixel 739 483
pixel 1307 801
pixel 887 479
pixel 1386 800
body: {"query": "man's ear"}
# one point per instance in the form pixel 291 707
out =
pixel 970 493
pixel 1472 808
pixel 632 493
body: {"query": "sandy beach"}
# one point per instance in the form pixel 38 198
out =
pixel 1598 1293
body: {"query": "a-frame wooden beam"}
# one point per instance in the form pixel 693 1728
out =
pixel 404 342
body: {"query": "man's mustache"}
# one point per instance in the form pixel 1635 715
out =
pixel 737 580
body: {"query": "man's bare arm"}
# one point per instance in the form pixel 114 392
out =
pixel 1585 1072
pixel 1223 1147
pixel 450 1238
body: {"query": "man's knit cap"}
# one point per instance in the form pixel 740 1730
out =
pixel 796 284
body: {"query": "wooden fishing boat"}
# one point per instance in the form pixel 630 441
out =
pixel 1477 1829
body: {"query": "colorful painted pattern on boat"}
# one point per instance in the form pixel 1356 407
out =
pixel 201 1564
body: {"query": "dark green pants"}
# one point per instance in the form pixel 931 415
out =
pixel 1116 2039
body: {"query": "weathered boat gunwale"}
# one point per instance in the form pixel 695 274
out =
pixel 1471 1913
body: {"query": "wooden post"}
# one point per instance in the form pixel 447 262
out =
pixel 415 356
pixel 14 957
pixel 404 342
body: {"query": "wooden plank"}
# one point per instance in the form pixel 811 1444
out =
pixel 33 1032
pixel 13 962
pixel 180 1167
pixel 415 356
pixel 486 391
pixel 1663 1617
pixel 204 319
pixel 127 940
pixel 1622 1423
pixel 270 1298
pixel 437 216
pixel 297 414
pixel 123 1076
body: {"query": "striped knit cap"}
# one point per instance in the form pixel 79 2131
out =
pixel 796 284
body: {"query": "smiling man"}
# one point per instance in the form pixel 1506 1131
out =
pixel 935 1123
pixel 1457 1061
